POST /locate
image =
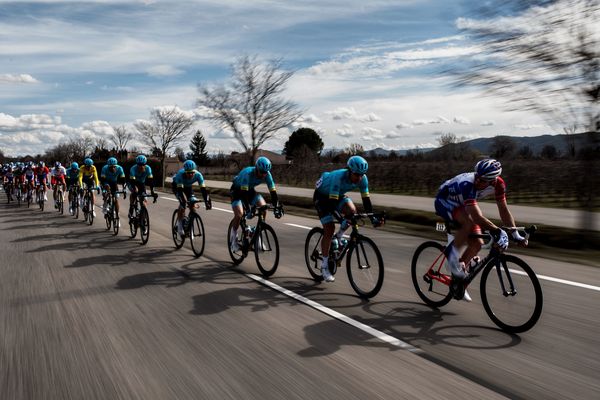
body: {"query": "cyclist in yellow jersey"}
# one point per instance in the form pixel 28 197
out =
pixel 89 176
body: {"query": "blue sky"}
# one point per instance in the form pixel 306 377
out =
pixel 366 72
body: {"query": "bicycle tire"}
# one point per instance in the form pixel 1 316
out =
pixel 178 240
pixel 133 226
pixel 235 257
pixel 61 203
pixel 144 225
pixel 197 234
pixel 373 273
pixel 312 253
pixel 109 215
pixel 426 268
pixel 76 208
pixel 116 221
pixel 525 277
pixel 262 243
pixel 90 208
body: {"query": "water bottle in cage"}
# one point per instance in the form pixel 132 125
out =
pixel 186 222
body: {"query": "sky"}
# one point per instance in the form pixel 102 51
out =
pixel 369 72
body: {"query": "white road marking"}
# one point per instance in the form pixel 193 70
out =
pixel 558 280
pixel 332 313
pixel 298 226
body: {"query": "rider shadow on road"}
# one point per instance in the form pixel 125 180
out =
pixel 129 257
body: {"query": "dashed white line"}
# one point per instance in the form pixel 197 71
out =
pixel 558 280
pixel 298 226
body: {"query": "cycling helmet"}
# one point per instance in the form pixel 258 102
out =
pixel 141 160
pixel 263 164
pixel 112 161
pixel 189 165
pixel 358 165
pixel 88 161
pixel 74 165
pixel 57 164
pixel 40 164
pixel 488 169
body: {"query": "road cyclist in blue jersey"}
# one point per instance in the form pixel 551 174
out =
pixel 243 195
pixel 139 175
pixel 72 178
pixel 456 202
pixel 329 197
pixel 111 175
pixel 182 187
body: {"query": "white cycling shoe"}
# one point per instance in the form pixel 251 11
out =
pixel 327 277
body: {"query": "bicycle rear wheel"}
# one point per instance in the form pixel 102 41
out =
pixel 312 253
pixel 197 234
pixel 238 256
pixel 365 267
pixel 429 277
pixel 144 225
pixel 266 249
pixel 511 294
pixel 177 239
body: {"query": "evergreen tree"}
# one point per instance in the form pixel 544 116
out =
pixel 198 146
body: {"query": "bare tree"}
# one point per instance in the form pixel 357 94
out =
pixel 355 149
pixel 543 55
pixel 166 128
pixel 121 138
pixel 251 104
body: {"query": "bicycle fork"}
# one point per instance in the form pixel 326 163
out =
pixel 500 268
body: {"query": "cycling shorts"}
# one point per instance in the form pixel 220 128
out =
pixel 183 195
pixel 326 207
pixel 237 195
pixel 450 213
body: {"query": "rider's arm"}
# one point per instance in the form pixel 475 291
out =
pixel 95 176
pixel 472 208
pixel 364 193
pixel 505 214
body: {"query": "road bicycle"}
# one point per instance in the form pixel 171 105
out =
pixel 39 195
pixel 193 228
pixel 364 262
pixel 29 194
pixel 510 291
pixel 8 189
pixel 139 218
pixel 75 196
pixel 111 215
pixel 88 204
pixel 261 239
pixel 60 200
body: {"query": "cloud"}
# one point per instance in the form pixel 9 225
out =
pixel 403 125
pixel 164 70
pixel 370 131
pixel 311 118
pixel 462 120
pixel 346 131
pixel 222 134
pixel 350 113
pixel 487 123
pixel 21 78
pixel 526 127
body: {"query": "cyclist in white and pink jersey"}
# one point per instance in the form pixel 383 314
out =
pixel 58 175
pixel 456 202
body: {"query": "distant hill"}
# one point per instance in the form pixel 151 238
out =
pixel 535 143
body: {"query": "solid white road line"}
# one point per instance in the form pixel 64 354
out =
pixel 365 328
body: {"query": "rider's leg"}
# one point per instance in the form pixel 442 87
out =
pixel 348 209
pixel 238 211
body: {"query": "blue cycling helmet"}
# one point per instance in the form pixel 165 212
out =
pixel 358 165
pixel 111 161
pixel 488 169
pixel 263 164
pixel 74 165
pixel 189 165
pixel 141 160
pixel 88 161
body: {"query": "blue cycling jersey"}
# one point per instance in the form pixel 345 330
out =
pixel 72 174
pixel 110 176
pixel 136 173
pixel 336 183
pixel 181 179
pixel 247 180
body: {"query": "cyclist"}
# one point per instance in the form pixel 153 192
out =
pixel 182 187
pixel 138 174
pixel 329 197
pixel 41 173
pixel 29 176
pixel 72 177
pixel 58 177
pixel 243 194
pixel 110 176
pixel 89 175
pixel 9 179
pixel 456 202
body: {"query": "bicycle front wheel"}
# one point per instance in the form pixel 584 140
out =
pixel 144 225
pixel 511 294
pixel 197 236
pixel 116 222
pixel 61 202
pixel 429 275
pixel 312 253
pixel 365 267
pixel 266 249
pixel 90 208
pixel 108 216
pixel 177 239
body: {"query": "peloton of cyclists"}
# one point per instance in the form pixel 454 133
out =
pixel 329 197
pixel 182 187
pixel 243 195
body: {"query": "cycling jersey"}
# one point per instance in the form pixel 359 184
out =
pixel 336 183
pixel 111 177
pixel 247 180
pixel 89 174
pixel 181 179
pixel 72 174
pixel 137 174
pixel 29 174
pixel 460 191
pixel 59 172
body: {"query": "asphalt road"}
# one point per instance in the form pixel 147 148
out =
pixel 84 314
